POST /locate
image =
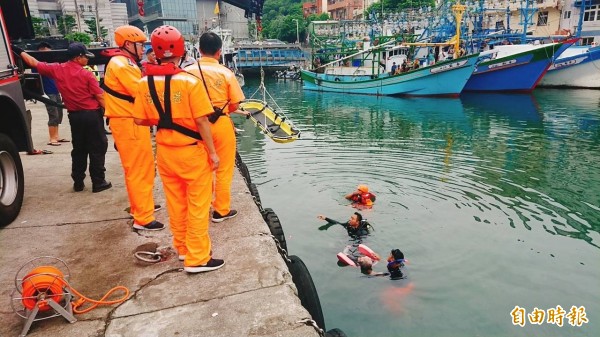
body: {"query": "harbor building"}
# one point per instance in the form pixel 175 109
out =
pixel 191 17
pixel 108 14
pixel 337 9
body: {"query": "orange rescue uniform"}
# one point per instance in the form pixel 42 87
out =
pixel 223 90
pixel 132 141
pixel 183 163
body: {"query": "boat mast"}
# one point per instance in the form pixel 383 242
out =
pixel 458 9
pixel 580 23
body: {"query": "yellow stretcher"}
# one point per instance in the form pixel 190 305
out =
pixel 269 121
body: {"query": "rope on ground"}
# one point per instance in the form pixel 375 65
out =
pixel 311 322
pixel 153 257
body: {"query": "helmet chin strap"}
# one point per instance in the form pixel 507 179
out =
pixel 182 59
pixel 135 55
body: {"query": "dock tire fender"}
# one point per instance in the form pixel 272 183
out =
pixel 335 333
pixel 254 192
pixel 245 173
pixel 306 289
pixel 12 181
pixel 276 229
pixel 265 212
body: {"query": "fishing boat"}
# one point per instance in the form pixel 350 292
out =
pixel 442 79
pixel 514 68
pixel 368 71
pixel 578 66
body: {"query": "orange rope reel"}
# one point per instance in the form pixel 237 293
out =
pixel 43 283
pixel 47 282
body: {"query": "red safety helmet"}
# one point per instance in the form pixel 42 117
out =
pixel 167 41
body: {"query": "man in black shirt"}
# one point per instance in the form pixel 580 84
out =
pixel 356 226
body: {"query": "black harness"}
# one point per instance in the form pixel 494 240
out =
pixel 116 94
pixel 165 117
pixel 218 112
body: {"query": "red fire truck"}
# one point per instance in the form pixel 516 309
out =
pixel 15 134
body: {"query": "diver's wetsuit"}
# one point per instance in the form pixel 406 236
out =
pixel 363 229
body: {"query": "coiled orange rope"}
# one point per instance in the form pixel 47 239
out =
pixel 50 281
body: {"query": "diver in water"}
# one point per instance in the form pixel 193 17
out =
pixel 356 226
pixel 361 196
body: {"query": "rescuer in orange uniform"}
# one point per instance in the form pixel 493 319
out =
pixel 177 102
pixel 132 141
pixel 225 94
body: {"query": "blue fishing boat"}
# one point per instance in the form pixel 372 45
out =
pixel 442 79
pixel 515 68
pixel 578 66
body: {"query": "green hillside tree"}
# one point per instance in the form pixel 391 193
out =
pixel 79 37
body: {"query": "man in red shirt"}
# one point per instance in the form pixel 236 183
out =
pixel 83 98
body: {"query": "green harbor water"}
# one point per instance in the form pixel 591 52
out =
pixel 494 200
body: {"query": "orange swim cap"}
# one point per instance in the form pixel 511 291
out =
pixel 363 188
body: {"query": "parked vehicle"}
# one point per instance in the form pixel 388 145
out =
pixel 15 119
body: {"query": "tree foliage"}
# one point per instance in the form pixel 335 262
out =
pixel 92 30
pixel 40 27
pixel 278 20
pixel 395 6
pixel 66 23
pixel 79 37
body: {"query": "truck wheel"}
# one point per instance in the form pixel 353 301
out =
pixel 12 184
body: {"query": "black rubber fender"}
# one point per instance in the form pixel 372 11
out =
pixel 238 158
pixel 244 172
pixel 276 229
pixel 335 333
pixel 265 212
pixel 306 289
pixel 254 192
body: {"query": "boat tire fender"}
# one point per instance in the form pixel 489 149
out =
pixel 306 289
pixel 337 79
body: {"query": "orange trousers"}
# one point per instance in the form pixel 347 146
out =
pixel 187 181
pixel 135 149
pixel 223 134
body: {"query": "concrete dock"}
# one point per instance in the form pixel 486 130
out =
pixel 252 295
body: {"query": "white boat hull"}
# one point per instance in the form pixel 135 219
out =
pixel 581 71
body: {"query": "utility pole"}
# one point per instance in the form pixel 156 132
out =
pixel 98 30
pixel 297 32
pixel 78 16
